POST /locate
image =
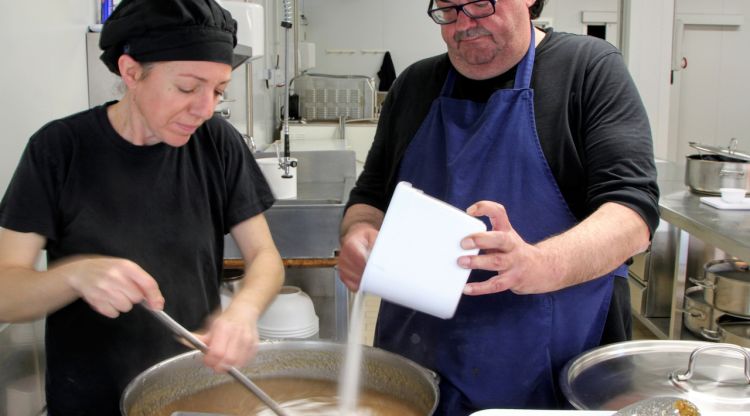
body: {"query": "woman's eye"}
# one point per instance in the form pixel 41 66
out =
pixel 219 94
pixel 186 90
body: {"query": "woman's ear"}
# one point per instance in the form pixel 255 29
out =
pixel 130 70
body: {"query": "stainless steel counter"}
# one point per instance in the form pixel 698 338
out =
pixel 728 230
pixel 725 230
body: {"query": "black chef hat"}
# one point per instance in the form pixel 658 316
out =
pixel 168 30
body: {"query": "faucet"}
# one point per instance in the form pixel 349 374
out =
pixel 286 23
pixel 342 127
pixel 250 142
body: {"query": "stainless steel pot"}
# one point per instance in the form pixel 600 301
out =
pixel 232 279
pixel 726 286
pixel 716 377
pixel 699 317
pixel 706 174
pixel 717 167
pixel 734 330
pixel 185 375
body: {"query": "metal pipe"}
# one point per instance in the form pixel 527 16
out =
pixel 249 121
pixel 286 23
pixel 342 128
pixel 296 37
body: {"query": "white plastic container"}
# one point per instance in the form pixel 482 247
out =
pixel 414 261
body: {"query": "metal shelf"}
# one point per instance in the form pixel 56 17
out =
pixel 658 326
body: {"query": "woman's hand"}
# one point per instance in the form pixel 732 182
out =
pixel 232 337
pixel 111 285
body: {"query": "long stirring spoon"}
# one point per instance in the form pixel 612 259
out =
pixel 181 331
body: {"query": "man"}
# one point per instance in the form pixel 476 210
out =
pixel 544 135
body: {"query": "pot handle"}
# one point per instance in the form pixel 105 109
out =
pixel 686 375
pixel 729 172
pixel 694 313
pixel 710 334
pixel 702 283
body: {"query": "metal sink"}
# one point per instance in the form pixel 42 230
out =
pixel 308 227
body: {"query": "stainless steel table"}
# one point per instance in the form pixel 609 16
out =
pixel 727 230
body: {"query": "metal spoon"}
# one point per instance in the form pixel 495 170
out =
pixel 660 406
pixel 181 331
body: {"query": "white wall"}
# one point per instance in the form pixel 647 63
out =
pixel 399 26
pixel 647 45
pixel 710 103
pixel 43 50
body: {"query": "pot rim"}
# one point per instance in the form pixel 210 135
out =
pixel 297 346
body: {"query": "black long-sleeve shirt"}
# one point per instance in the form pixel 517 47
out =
pixel 590 120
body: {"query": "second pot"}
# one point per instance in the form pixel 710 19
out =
pixel 726 286
pixel 706 174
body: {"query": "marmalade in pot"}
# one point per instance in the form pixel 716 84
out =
pixel 300 397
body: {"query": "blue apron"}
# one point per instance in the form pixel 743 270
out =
pixel 501 350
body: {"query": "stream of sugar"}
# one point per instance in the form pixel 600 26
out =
pixel 349 381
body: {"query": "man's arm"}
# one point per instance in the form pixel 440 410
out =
pixel 359 228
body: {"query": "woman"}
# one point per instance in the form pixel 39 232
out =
pixel 131 200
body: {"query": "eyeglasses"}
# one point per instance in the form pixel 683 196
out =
pixel 476 9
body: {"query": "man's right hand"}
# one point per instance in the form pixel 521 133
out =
pixel 111 285
pixel 355 249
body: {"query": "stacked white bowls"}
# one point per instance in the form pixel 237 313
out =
pixel 290 316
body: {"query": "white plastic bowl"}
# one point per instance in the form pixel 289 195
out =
pixel 732 195
pixel 290 315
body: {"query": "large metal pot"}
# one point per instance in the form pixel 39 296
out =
pixel 733 330
pixel 716 377
pixel 706 174
pixel 717 167
pixel 726 286
pixel 699 317
pixel 185 375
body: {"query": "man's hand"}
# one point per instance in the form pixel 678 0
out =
pixel 521 267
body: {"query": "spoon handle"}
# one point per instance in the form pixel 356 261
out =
pixel 182 332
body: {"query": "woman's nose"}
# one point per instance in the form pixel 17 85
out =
pixel 204 105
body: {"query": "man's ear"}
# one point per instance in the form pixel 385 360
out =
pixel 130 69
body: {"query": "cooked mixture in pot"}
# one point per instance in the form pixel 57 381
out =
pixel 301 397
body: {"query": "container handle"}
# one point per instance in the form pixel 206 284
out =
pixel 729 172
pixel 710 334
pixel 686 375
pixel 702 283
pixel 694 313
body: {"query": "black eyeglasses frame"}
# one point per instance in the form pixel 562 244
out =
pixel 458 8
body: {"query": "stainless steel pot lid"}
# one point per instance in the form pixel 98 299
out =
pixel 716 377
pixel 729 151
pixel 730 269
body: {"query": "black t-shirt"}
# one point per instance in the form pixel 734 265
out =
pixel 89 191
pixel 590 120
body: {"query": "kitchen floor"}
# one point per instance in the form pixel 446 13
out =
pixel 372 304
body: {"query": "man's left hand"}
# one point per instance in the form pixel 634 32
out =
pixel 521 267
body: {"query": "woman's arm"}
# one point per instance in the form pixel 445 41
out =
pixel 109 285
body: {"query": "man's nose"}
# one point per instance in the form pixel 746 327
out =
pixel 464 21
